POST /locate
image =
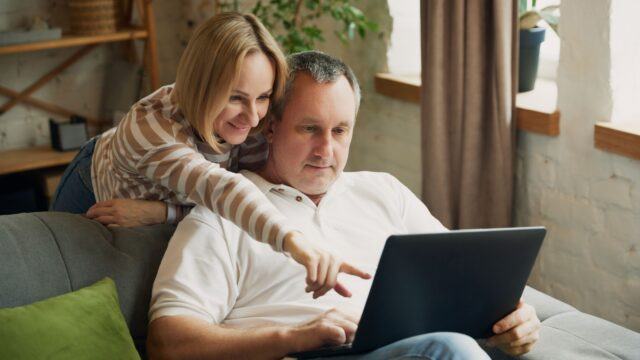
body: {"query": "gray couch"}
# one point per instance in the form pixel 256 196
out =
pixel 47 254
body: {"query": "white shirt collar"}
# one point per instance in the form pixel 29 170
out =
pixel 265 186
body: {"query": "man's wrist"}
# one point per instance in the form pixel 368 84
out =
pixel 286 335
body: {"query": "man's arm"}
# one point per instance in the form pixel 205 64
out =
pixel 184 337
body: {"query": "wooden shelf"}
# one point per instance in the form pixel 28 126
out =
pixel 621 139
pixel 13 161
pixel 76 40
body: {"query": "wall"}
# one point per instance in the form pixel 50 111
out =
pixel 588 199
pixel 87 86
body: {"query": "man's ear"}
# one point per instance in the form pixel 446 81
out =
pixel 269 128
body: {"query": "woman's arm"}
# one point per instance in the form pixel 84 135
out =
pixel 160 150
pixel 130 212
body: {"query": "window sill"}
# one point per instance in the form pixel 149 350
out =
pixel 622 139
pixel 404 88
pixel 535 109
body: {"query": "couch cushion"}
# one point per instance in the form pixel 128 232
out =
pixel 589 332
pixel 51 253
pixel 545 305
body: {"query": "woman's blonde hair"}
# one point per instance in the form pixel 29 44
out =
pixel 211 63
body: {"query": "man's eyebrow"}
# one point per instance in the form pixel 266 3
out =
pixel 312 120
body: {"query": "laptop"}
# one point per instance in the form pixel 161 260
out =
pixel 459 281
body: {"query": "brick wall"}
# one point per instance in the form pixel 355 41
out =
pixel 95 86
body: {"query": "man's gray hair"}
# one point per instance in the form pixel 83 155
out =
pixel 322 68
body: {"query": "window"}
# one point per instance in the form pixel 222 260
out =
pixel 404 51
pixel 550 48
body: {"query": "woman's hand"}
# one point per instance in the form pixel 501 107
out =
pixel 128 212
pixel 322 266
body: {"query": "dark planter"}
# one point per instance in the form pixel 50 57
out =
pixel 530 40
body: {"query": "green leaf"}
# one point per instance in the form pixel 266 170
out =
pixel 351 30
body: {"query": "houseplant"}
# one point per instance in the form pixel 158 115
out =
pixel 294 23
pixel 531 36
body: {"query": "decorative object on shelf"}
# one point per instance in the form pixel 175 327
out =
pixel 294 23
pixel 70 135
pixel 531 36
pixel 93 17
pixel 39 30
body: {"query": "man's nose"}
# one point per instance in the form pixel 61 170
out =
pixel 324 145
pixel 251 114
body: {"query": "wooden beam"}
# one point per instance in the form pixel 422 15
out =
pixel 397 87
pixel 52 108
pixel 539 122
pixel 151 46
pixel 71 41
pixel 622 139
pixel 46 78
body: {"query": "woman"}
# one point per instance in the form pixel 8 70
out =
pixel 176 145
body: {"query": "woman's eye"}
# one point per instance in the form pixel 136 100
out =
pixel 235 98
pixel 264 97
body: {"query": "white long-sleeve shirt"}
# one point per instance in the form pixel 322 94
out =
pixel 210 270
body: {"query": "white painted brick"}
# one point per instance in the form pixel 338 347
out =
pixel 607 254
pixel 586 215
pixel 557 207
pixel 569 183
pixel 613 191
pixel 623 225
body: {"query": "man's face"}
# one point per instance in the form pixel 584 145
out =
pixel 310 144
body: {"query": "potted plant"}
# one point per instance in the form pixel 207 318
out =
pixel 294 22
pixel 531 36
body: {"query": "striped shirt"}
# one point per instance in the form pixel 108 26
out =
pixel 155 154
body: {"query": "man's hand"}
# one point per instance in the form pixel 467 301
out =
pixel 331 328
pixel 128 212
pixel 517 332
pixel 322 266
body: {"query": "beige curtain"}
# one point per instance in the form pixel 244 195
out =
pixel 469 74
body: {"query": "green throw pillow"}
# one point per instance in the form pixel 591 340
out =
pixel 84 324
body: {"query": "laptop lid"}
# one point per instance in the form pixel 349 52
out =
pixel 458 281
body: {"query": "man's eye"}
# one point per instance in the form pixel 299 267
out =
pixel 309 128
pixel 340 131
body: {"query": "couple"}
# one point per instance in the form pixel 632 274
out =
pixel 220 295
pixel 219 292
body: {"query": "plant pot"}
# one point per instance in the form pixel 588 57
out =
pixel 530 40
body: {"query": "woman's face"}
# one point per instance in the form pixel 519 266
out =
pixel 249 99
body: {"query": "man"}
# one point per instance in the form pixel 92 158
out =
pixel 220 295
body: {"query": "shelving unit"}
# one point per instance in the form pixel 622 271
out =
pixel 44 157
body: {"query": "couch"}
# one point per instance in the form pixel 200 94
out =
pixel 49 253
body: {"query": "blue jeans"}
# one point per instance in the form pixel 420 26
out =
pixel 433 346
pixel 75 191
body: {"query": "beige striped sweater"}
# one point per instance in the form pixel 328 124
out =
pixel 154 154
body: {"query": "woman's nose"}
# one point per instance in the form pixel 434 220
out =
pixel 252 115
